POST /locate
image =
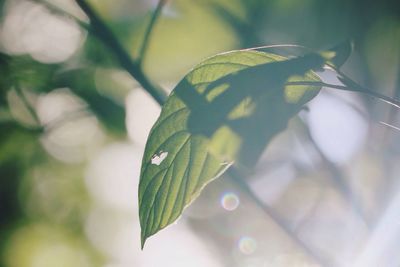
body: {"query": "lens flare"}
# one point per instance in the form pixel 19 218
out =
pixel 247 245
pixel 230 201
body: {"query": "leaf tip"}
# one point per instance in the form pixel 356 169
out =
pixel 340 53
pixel 142 240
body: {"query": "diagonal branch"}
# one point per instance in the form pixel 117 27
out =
pixel 104 34
pixel 27 104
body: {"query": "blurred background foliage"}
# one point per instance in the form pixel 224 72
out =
pixel 73 125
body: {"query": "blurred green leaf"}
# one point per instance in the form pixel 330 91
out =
pixel 2 2
pixel 15 138
pixel 9 204
pixel 25 72
pixel 10 207
pixel 13 164
pixel 4 78
pixel 224 111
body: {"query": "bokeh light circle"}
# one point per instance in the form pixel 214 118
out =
pixel 247 245
pixel 230 201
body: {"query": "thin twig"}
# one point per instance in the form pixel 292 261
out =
pixel 27 104
pixel 364 115
pixel 149 30
pixel 71 116
pixel 390 126
pixel 358 88
pixel 390 100
pixel 392 114
pixel 103 33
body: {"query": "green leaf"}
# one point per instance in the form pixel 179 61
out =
pixel 224 112
pixel 26 72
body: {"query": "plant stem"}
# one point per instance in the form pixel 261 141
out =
pixel 71 116
pixel 356 88
pixel 103 33
pixel 27 104
pixel 149 30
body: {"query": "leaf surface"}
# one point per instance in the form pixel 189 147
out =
pixel 225 111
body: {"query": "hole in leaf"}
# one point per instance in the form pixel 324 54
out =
pixel 158 158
